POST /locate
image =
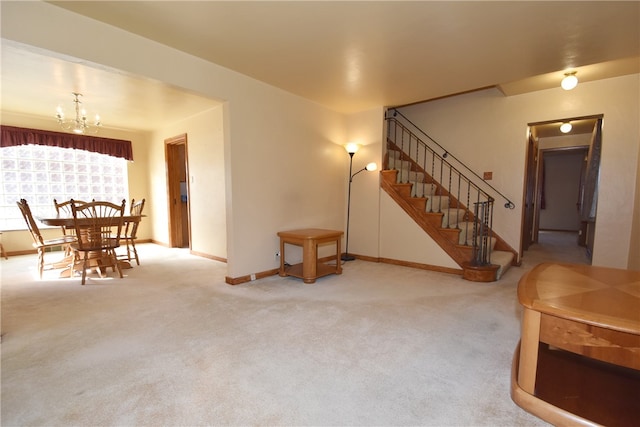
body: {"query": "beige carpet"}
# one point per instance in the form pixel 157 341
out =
pixel 171 344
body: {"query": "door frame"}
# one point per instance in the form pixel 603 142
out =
pixel 528 233
pixel 533 176
pixel 173 162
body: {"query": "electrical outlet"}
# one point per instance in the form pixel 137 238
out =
pixel 253 277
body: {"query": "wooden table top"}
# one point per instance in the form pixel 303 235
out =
pixel 67 221
pixel 310 233
pixel 600 296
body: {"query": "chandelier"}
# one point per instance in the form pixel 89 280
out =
pixel 79 124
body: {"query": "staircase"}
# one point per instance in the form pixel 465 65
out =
pixel 447 205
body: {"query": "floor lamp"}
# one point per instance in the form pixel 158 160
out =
pixel 352 149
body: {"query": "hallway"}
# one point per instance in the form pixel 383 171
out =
pixel 558 246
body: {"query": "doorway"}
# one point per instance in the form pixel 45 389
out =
pixel 177 161
pixel 560 191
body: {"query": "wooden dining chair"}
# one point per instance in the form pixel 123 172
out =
pixel 3 254
pixel 64 209
pixel 98 226
pixel 38 241
pixel 130 231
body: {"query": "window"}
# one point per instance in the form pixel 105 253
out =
pixel 40 173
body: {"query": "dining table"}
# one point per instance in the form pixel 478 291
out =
pixel 67 221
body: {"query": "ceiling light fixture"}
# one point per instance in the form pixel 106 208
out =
pixel 569 81
pixel 79 124
pixel 565 127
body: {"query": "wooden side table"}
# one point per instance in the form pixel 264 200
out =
pixel 310 238
pixel 591 315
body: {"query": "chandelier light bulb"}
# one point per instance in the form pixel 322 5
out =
pixel 569 81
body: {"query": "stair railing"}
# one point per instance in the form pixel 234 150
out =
pixel 449 190
pixel 445 153
pixel 483 215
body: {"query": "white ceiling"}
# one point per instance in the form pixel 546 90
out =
pixel 347 55
pixel 35 83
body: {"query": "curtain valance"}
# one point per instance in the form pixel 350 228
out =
pixel 12 136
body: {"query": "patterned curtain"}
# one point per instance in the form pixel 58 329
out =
pixel 11 136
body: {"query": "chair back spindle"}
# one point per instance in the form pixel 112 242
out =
pixel 130 231
pixel 64 209
pixel 31 223
pixel 135 210
pixel 98 225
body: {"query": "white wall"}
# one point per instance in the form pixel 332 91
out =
pixel 205 145
pixel 488 131
pixel 634 252
pixel 283 167
pixel 365 129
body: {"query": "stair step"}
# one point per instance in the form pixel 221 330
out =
pixel 395 163
pixel 451 217
pixel 390 175
pixel 450 233
pixel 503 259
pixel 394 154
pixel 466 232
pixel 434 219
pixel 406 175
pixel 492 243
pixel 418 202
pixel 404 171
pixel 423 189
pixel 403 189
pixel 437 203
pixel 399 163
pixel 466 235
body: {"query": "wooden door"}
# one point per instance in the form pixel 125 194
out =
pixel 178 191
pixel 589 197
pixel 529 234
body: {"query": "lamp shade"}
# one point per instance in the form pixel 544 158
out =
pixel 372 166
pixel 352 147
